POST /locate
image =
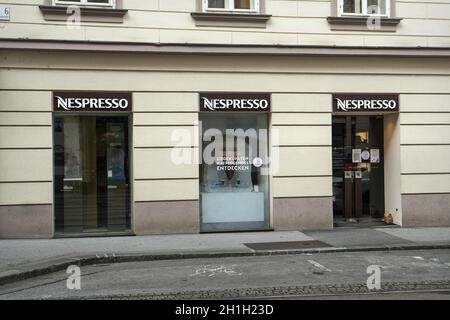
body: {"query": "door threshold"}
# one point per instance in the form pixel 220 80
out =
pixel 237 231
pixel 362 223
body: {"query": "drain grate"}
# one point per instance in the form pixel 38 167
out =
pixel 287 245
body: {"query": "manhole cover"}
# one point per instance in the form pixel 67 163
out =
pixel 287 245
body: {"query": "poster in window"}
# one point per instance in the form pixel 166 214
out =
pixel 72 168
pixel 365 155
pixel 375 156
pixel 356 155
pixel 115 152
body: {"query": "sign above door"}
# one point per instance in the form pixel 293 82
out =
pixel 99 101
pixel 235 102
pixel 365 103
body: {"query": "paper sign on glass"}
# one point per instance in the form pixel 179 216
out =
pixel 365 155
pixel 356 155
pixel 375 156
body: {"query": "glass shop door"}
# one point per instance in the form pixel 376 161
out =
pixel 358 169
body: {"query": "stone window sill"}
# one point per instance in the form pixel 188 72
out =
pixel 239 20
pixel 360 24
pixel 88 14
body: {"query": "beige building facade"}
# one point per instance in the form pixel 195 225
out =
pixel 92 171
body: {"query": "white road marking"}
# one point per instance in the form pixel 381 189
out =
pixel 429 263
pixel 211 271
pixel 381 262
pixel 318 265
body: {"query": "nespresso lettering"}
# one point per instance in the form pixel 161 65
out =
pixel 91 101
pixel 235 102
pixel 82 103
pixel 346 105
pixel 352 103
pixel 214 104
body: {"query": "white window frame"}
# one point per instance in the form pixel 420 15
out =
pixel 85 3
pixel 364 9
pixel 229 6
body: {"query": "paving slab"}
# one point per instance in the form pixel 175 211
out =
pixel 352 237
pixel 436 234
pixel 21 252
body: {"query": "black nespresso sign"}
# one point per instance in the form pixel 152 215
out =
pixel 365 102
pixel 244 102
pixel 91 101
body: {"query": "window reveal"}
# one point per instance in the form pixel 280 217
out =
pixel 364 7
pixel 231 5
pixel 110 3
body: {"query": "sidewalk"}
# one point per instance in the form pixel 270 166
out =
pixel 20 259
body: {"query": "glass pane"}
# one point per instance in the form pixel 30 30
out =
pixel 117 184
pixel 98 1
pixel 376 6
pixel 91 173
pixel 243 4
pixel 339 159
pixel 69 171
pixel 233 190
pixel 352 6
pixel 89 165
pixel 218 4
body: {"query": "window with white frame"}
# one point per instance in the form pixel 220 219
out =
pixel 231 5
pixel 104 3
pixel 364 7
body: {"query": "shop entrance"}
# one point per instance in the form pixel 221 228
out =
pixel 92 181
pixel 358 169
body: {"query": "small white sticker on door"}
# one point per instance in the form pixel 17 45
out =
pixel 356 155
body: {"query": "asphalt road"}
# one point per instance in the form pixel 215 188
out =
pixel 422 274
